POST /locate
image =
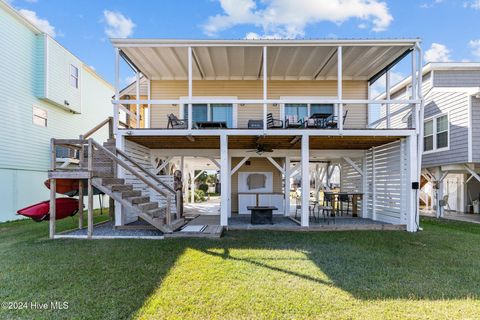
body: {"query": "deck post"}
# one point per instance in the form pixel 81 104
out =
pixel 53 189
pixel 265 94
pixel 90 189
pixel 364 186
pixel 80 204
pixel 374 187
pixel 387 92
pixel 305 161
pixel 412 177
pixel 117 91
pixel 224 180
pixel 149 105
pixel 287 186
pixel 339 87
pixel 137 93
pixel 190 89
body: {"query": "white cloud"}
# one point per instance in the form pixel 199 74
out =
pixel 40 23
pixel 118 26
pixel 428 5
pixel 475 45
pixel 289 18
pixel 473 4
pixel 437 53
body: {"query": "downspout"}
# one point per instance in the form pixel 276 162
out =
pixel 421 129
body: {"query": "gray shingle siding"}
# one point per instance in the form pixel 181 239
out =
pixel 456 78
pixel 456 105
pixel 475 129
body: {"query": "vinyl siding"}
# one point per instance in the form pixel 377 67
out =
pixel 397 121
pixel 456 78
pixel 25 147
pixel 252 89
pixel 475 129
pixel 58 87
pixel 256 165
pixel 456 105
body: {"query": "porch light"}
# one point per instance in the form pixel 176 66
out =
pixel 242 104
pixel 174 105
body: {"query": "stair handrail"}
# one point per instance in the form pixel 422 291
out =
pixel 90 132
pixel 125 165
pixel 151 175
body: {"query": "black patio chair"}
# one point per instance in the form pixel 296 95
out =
pixel 332 121
pixel 175 123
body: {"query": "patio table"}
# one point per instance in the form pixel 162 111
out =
pixel 355 196
pixel 211 124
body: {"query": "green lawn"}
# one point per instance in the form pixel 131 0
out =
pixel 350 275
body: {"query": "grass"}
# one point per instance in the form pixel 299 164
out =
pixel 244 275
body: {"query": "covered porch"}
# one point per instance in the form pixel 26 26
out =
pixel 375 171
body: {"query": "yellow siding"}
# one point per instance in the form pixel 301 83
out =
pixel 252 89
pixel 256 165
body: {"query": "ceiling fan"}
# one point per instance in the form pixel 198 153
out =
pixel 261 149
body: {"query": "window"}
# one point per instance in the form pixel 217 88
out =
pixel 39 117
pixel 301 111
pixel 73 76
pixel 211 112
pixel 435 137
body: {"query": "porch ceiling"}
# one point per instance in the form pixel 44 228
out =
pixel 243 60
pixel 275 142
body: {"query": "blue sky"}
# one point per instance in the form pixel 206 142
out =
pixel 449 28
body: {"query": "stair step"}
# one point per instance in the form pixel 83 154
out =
pixel 110 181
pixel 144 207
pixel 158 213
pixel 131 193
pixel 139 199
pixel 121 187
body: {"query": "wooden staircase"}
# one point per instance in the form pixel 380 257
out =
pixel 139 204
pixel 98 166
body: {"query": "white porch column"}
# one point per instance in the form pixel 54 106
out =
pixel 287 186
pixel 120 218
pixel 149 106
pixel 364 187
pixel 265 96
pixel 413 195
pixel 190 89
pixel 224 180
pixel 137 94
pixel 117 91
pixel 229 169
pixel 339 87
pixel 387 91
pixel 305 180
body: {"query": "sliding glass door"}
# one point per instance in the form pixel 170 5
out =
pixel 222 112
pixel 211 112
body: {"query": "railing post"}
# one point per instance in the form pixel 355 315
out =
pixel 190 89
pixel 110 127
pixel 137 93
pixel 387 91
pixel 53 189
pixel 265 93
pixel 168 215
pixel 90 189
pixel 117 90
pixel 339 87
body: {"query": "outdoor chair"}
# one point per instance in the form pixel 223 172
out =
pixel 175 123
pixel 273 123
pixel 326 213
pixel 329 201
pixel 332 121
pixel 292 121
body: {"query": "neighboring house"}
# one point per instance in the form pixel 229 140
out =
pixel 272 116
pixel 46 92
pixel 451 141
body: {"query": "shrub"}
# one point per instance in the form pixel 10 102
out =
pixel 203 187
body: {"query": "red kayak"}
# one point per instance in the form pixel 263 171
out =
pixel 69 187
pixel 65 207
